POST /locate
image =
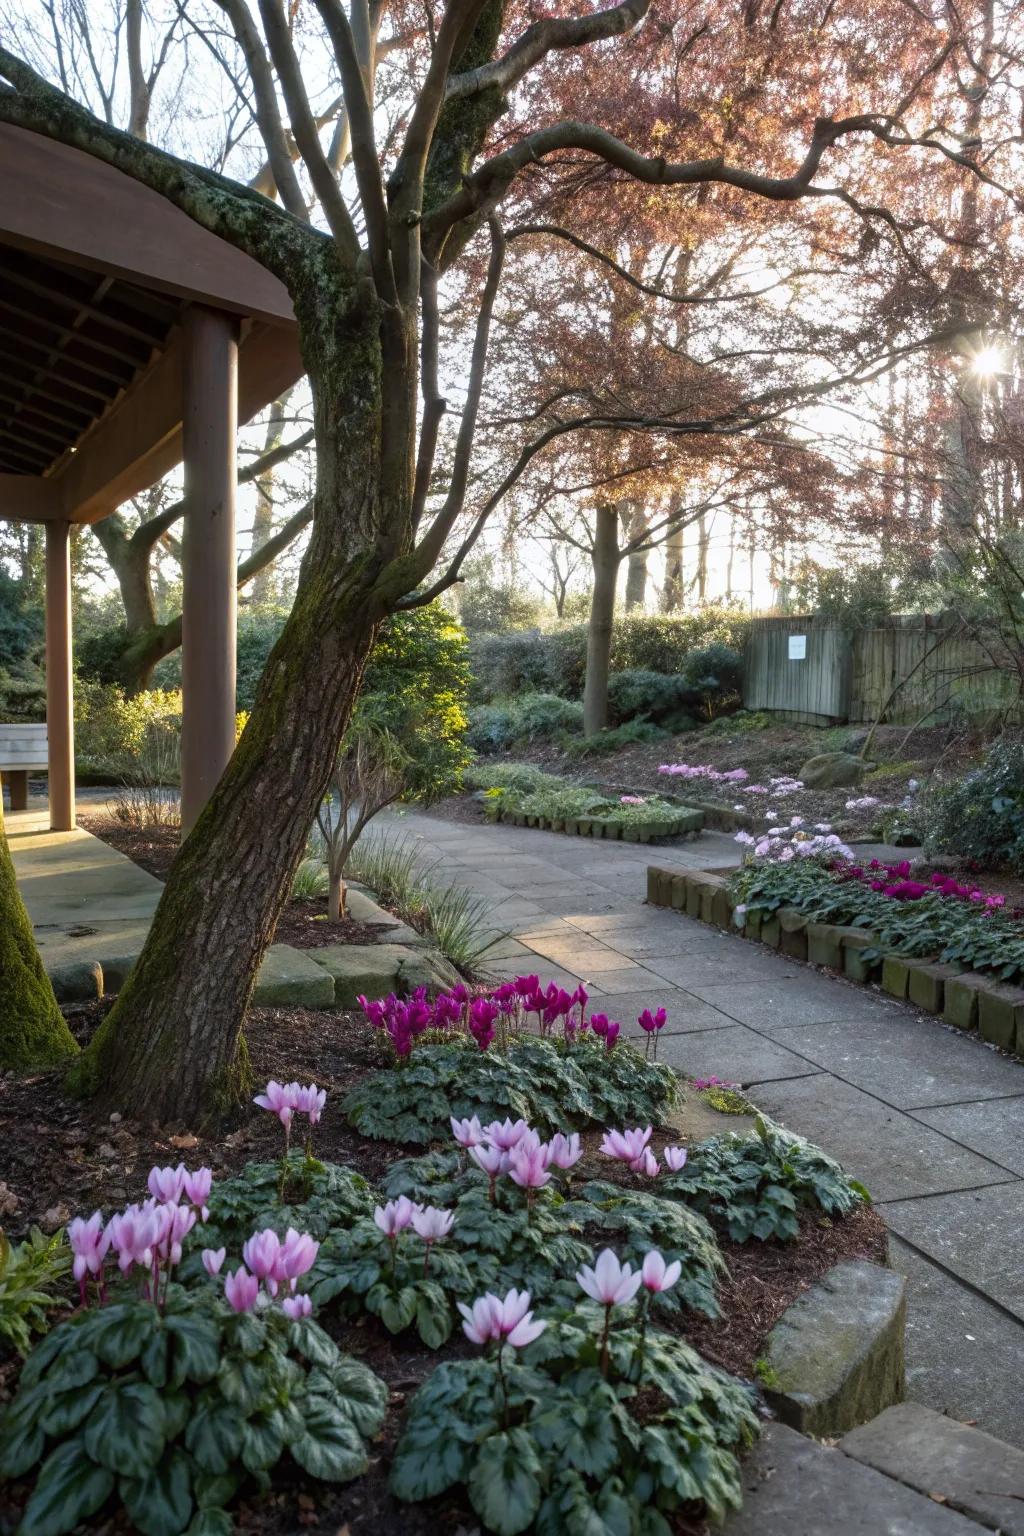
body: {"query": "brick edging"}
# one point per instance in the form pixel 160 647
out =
pixel 970 1000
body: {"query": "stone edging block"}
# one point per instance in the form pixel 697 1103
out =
pixel 927 984
pixel 961 1003
pixel 1001 1016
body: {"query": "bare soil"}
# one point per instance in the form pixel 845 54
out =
pixel 59 1158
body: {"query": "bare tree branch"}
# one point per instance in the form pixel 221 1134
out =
pixel 541 38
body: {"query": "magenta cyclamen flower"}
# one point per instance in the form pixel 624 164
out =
pixel 507 1321
pixel 564 1151
pixel 675 1158
pixel 395 1216
pixel 278 1099
pixel 526 986
pixel 241 1290
pixel 609 1282
pixel 296 1307
pixel 658 1276
pixel 197 1189
pixel 649 1021
pixel 468 1133
pixel 432 1224
pixel 213 1260
pixel 167 1184
pixel 626 1146
pixel 528 1165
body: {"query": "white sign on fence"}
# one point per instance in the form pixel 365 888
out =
pixel 798 647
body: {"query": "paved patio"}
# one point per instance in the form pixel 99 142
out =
pixel 931 1120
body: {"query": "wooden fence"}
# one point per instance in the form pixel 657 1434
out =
pixel 921 669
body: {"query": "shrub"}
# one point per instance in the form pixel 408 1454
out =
pixel 636 733
pixel 505 665
pixel 714 674
pixel 550 1086
pixel 650 694
pixel 496 727
pixel 171 1409
pixel 757 1183
pixel 30 1277
pixel 981 816
pixel 521 776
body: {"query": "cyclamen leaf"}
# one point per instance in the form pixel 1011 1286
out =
pixel 124 1331
pixel 21 1446
pixel 125 1429
pixel 66 1410
pixel 195 1346
pixel 395 1309
pixel 262 1442
pixel 310 1341
pixel 214 1435
pixel 504 1485
pixel 70 1487
pixel 330 1446
pixel 160 1503
pixel 211 1522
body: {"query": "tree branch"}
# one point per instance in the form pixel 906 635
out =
pixel 542 38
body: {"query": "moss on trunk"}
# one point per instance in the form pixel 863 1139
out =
pixel 33 1032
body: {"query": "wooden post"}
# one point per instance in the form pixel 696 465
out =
pixel 209 597
pixel 60 727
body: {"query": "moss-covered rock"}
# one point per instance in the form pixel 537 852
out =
pixel 33 1031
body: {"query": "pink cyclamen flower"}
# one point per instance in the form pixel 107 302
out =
pixel 432 1224
pixel 675 1158
pixel 134 1233
pixel 241 1290
pixel 468 1133
pixel 609 1282
pixel 509 1321
pixel 528 1166
pixel 262 1254
pixel 658 1276
pixel 176 1222
pixel 277 1097
pixel 213 1260
pixel 197 1189
pixel 626 1146
pixel 647 1164
pixel 89 1244
pixel 395 1216
pixel 490 1160
pixel 297 1255
pixel 507 1135
pixel 296 1307
pixel 310 1101
pixel 565 1151
pixel 167 1184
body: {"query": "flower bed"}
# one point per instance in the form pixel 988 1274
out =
pixel 525 796
pixel 533 1284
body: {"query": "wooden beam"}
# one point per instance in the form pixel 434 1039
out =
pixel 28 499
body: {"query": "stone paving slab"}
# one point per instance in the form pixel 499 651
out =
pixel 793 1486
pixel 975 1233
pixel 685 1013
pixel 961 1349
pixel 794 999
pixel 894 1155
pixel 969 1470
pixel 993 1127
pixel 909 1062
pixel 736 1054
pixel 723 969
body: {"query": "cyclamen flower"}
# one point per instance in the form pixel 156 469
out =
pixel 89 1244
pixel 647 1164
pixel 626 1146
pixel 395 1216
pixel 528 1166
pixel 649 1021
pixel 432 1224
pixel 133 1234
pixel 241 1290
pixel 658 1276
pixel 262 1254
pixel 490 1159
pixel 167 1184
pixel 609 1282
pixel 675 1158
pixel 507 1134
pixel 507 1321
pixel 296 1307
pixel 278 1099
pixel 564 1151
pixel 297 1255
pixel 526 986
pixel 468 1133
pixel 213 1260
pixel 197 1189
pixel 310 1101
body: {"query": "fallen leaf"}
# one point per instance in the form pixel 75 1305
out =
pixel 184 1143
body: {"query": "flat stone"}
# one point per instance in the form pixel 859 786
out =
pixel 993 1127
pixel 837 1352
pixel 78 982
pixel 974 1233
pixel 793 1486
pixel 736 1054
pixel 659 885
pixel 800 997
pixel 960 1005
pixel 894 1155
pixel 354 969
pixel 771 930
pixel 363 908
pixel 958 1345
pixel 1001 1016
pixel 699 886
pixel 895 976
pixel 694 1121
pixel 290 978
pixel 686 1014
pixel 736 962
pixel 116 970
pixel 907 1060
pixel 424 968
pixel 927 984
pixel 969 1470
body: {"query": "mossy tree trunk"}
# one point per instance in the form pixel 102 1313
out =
pixel 33 1031
pixel 606 557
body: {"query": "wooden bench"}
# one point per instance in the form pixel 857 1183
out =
pixel 23 750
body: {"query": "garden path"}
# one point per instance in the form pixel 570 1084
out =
pixel 930 1119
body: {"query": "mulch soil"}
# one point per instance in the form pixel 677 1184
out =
pixel 59 1159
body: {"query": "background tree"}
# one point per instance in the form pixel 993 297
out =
pixel 469 149
pixel 33 1032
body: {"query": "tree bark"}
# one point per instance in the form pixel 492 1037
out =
pixel 171 1048
pixel 262 591
pixel 606 558
pixel 636 564
pixel 33 1031
pixel 672 591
